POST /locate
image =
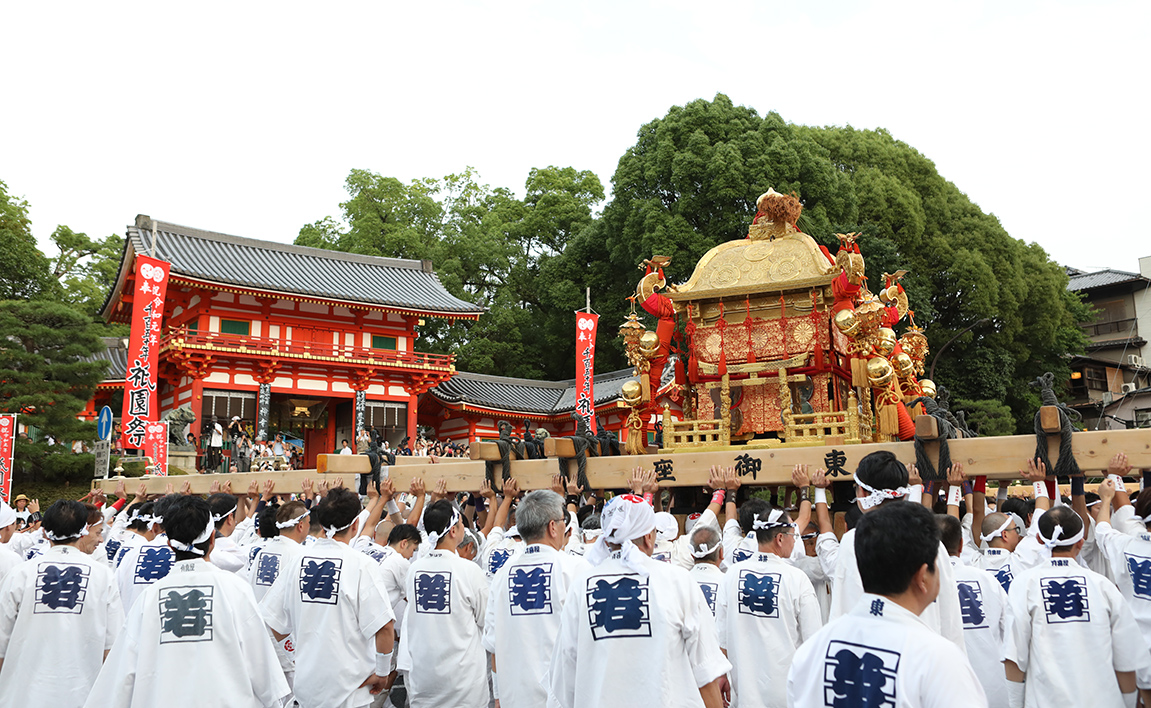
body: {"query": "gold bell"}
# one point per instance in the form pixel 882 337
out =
pixel 847 322
pixel 631 392
pixel 879 371
pixel 649 344
pixel 928 387
pixel 904 366
pixel 885 344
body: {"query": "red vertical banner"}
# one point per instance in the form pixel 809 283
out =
pixel 7 448
pixel 140 401
pixel 586 324
pixel 156 447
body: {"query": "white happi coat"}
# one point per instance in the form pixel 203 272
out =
pixel 58 615
pixel 812 567
pixel 880 654
pixel 1129 559
pixel 229 555
pixel 628 639
pixel 709 578
pixel 765 610
pixel 983 605
pixel 523 619
pixel 1069 629
pixel 498 549
pixel 943 615
pixel 193 638
pixel 140 566
pixel 331 599
pixel 442 648
pixel 1000 562
pixel 395 569
pixel 9 559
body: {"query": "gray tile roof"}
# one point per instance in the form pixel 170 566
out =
pixel 116 356
pixel 298 270
pixel 529 396
pixel 1101 278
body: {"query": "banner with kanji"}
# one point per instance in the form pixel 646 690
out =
pixel 586 324
pixel 156 447
pixel 140 401
pixel 7 448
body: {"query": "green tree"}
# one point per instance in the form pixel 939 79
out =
pixel 987 417
pixel 47 376
pixel 25 273
pixel 86 268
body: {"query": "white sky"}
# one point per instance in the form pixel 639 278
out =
pixel 246 117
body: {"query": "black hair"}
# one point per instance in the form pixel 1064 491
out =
pixel 761 507
pixel 139 509
pixel 338 509
pixel 583 512
pixel 160 507
pixel 438 515
pixel 1023 507
pixel 404 532
pixel 222 506
pixel 892 542
pixel 66 517
pixel 185 519
pixel 1090 497
pixel 1063 516
pixel 852 516
pixel 266 522
pixel 940 506
pixel 1143 503
pixel 591 522
pixel 882 470
pixel 950 533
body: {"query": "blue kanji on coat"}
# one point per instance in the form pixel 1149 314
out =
pixel 1004 576
pixel 153 563
pixel 971 604
pixel 759 593
pixel 267 568
pixel 529 590
pixel 61 588
pixel 497 559
pixel 186 614
pixel 618 608
pixel 111 547
pixel 740 554
pixel 709 591
pixel 320 581
pixel 858 680
pixel 433 593
pixel 1065 600
pixel 1140 571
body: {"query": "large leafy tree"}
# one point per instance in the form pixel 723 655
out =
pixel 25 273
pixel 46 375
pixel 86 268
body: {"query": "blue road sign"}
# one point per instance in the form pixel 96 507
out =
pixel 104 424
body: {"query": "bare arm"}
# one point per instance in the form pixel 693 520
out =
pixel 732 481
pixel 375 508
pixel 955 479
pixel 822 514
pixel 801 478
pixel 418 491
pixel 489 494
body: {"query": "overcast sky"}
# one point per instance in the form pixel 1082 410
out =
pixel 246 117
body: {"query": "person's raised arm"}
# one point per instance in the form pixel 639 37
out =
pixel 489 496
pixel 1036 473
pixel 376 503
pixel 651 486
pixel 419 491
pixel 732 482
pixel 715 482
pixel 574 492
pixel 822 514
pixel 955 480
pixel 1116 471
pixel 511 489
pixel 801 478
pixel 1106 497
pixel 978 507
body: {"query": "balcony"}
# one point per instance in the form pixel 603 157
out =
pixel 1118 329
pixel 245 346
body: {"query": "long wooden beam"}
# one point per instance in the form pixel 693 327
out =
pixel 995 457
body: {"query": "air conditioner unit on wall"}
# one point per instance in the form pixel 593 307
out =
pixel 1127 388
pixel 1136 361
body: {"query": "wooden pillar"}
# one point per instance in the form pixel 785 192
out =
pixel 197 404
pixel 413 411
pixel 471 430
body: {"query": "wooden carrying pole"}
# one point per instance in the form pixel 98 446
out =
pixel 994 457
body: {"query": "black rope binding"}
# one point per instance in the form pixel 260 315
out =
pixel 946 430
pixel 1065 466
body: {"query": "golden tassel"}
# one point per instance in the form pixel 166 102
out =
pixel 859 373
pixel 889 420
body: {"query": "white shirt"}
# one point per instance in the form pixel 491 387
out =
pixel 1068 629
pixel 58 615
pixel 497 550
pixel 194 639
pixel 765 610
pixel 1129 558
pixel 346 450
pixel 628 639
pixel 983 604
pixel 709 578
pixel 9 559
pixel 812 567
pixel 881 652
pixel 681 547
pixel 1000 562
pixel 442 648
pixel 229 555
pixel 331 598
pixel 140 566
pixel 943 615
pixel 523 620
pixel 217 436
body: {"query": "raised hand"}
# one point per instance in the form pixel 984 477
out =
pixel 801 476
pixel 121 490
pixel 650 486
pixel 731 480
pixel 511 488
pixel 441 490
pixel 142 492
pixel 213 488
pixel 486 490
pixel 955 476
pixel 269 488
pixel 1119 465
pixel 1035 472
pixel 186 489
pixel 253 489
pixel 418 489
pixel 913 476
pixel 308 488
pixel 226 487
pixel 715 480
pixel 819 480
pixel 635 483
pixel 573 487
pixel 387 490
pixel 558 484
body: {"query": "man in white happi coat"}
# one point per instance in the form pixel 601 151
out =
pixel 228 554
pixel 442 649
pixel 9 558
pixel 635 631
pixel 1002 533
pixel 525 602
pixel 194 637
pixel 331 599
pixel 765 610
pixel 142 565
pixel 881 479
pixel 1128 557
pixel 707 552
pixel 983 604
pixel 291 523
pixel 881 653
pixel 1071 638
pixel 59 616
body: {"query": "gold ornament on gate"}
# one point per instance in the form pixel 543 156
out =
pixel 847 322
pixel 632 393
pixel 928 387
pixel 885 341
pixel 631 331
pixel 879 371
pixel 649 344
pixel 904 366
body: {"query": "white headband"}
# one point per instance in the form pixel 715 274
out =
pixel 624 518
pixel 1055 541
pixel 876 497
pixel 591 533
pixel 292 522
pixel 204 536
pixel 434 537
pixel 705 551
pixel 769 524
pixel 221 517
pixel 331 531
pixel 79 534
pixel 999 531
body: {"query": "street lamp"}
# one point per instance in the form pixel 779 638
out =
pixel 975 324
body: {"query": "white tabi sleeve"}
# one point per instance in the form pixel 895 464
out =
pixel 946 680
pixel 721 609
pixel 1129 649
pixel 808 615
pixel 478 599
pixel 374 609
pixel 274 608
pixel 561 676
pixel 115 613
pixel 950 615
pixel 732 535
pixel 1124 520
pixel 500 579
pixel 11 595
pixel 827 549
pixel 1017 632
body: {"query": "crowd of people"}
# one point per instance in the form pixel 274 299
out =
pixel 936 594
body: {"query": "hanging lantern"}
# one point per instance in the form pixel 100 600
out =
pixel 631 331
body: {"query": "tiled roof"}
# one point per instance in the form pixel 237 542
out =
pixel 1101 278
pixel 116 356
pixel 529 396
pixel 298 270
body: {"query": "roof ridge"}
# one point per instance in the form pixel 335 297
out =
pixel 540 383
pixel 193 232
